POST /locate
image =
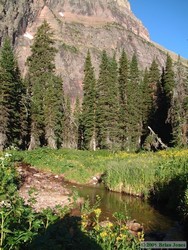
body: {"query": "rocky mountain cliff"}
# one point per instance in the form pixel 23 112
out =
pixel 78 25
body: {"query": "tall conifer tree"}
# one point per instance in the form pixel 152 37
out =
pixel 45 88
pixel 10 96
pixel 69 140
pixel 88 117
pixel 167 84
pixel 107 104
pixel 146 103
pixel 123 81
pixel 134 116
pixel 179 111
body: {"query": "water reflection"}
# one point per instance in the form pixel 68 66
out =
pixel 134 208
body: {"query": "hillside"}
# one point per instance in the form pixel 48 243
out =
pixel 79 26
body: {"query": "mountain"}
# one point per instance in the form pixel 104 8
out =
pixel 79 25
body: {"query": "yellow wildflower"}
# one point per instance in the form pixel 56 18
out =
pixel 97 227
pixel 124 227
pixel 103 234
pixel 118 238
pixel 84 216
pixel 97 212
pixel 110 224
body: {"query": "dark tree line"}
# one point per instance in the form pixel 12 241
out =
pixel 117 108
pixel 131 109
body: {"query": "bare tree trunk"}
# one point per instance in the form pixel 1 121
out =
pixel 158 139
pixel 34 140
pixel 50 136
pixel 3 139
pixel 93 142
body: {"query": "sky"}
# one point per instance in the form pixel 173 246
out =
pixel 166 21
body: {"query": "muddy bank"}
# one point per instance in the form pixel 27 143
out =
pixel 48 188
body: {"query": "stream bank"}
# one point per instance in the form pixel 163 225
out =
pixel 53 190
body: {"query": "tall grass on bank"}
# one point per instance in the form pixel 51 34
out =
pixel 134 176
pixel 161 178
pixel 171 185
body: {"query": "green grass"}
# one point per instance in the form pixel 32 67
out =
pixel 77 166
pixel 124 172
pixel 155 176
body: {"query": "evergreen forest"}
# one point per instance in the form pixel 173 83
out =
pixel 123 107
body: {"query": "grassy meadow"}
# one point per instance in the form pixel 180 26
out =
pixel 150 175
pixel 161 178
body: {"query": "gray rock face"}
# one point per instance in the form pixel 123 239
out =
pixel 16 15
pixel 78 25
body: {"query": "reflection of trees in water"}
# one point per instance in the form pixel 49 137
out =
pixel 135 208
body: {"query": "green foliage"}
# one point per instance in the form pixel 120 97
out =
pixel 171 177
pixel 45 90
pixel 11 90
pixel 70 48
pixel 179 110
pixel 168 79
pixel 110 235
pixel 123 85
pixel 165 103
pixel 88 117
pixel 126 175
pixel 23 228
pixel 8 177
pixel 70 126
pixel 134 108
pixel 107 108
pixel 19 223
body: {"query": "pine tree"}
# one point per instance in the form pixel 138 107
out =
pixel 179 111
pixel 164 110
pixel 11 92
pixel 154 83
pixel 107 104
pixel 88 118
pixel 76 117
pixel 4 109
pixel 134 116
pixel 168 83
pixel 150 90
pixel 68 126
pixel 147 103
pixel 113 98
pixel 154 89
pixel 53 110
pixel 24 116
pixel 123 81
pixel 45 89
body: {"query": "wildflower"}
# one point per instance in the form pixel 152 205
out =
pixel 112 235
pixel 84 216
pixel 124 227
pixel 123 236
pixel 140 236
pixel 97 212
pixel 7 155
pixel 97 227
pixel 103 234
pixel 118 238
pixel 84 224
pixel 110 224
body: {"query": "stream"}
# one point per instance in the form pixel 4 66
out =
pixel 156 225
